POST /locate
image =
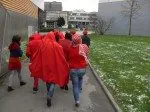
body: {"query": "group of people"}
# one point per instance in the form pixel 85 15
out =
pixel 54 58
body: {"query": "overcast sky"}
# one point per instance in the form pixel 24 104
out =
pixel 87 5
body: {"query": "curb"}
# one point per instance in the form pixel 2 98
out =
pixel 106 91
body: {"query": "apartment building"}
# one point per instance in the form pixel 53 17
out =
pixel 52 16
pixel 53 6
pixel 80 18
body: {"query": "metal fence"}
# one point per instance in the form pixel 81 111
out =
pixel 12 23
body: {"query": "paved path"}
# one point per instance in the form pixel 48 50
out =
pixel 22 99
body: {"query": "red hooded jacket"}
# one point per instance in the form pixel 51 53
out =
pixel 48 62
pixel 33 44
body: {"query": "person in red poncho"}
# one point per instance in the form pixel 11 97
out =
pixel 77 64
pixel 14 64
pixel 58 35
pixel 32 47
pixel 49 64
pixel 66 44
pixel 61 35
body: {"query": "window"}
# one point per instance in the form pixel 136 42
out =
pixel 83 14
pixel 92 14
pixel 74 14
pixel 79 18
pixel 71 17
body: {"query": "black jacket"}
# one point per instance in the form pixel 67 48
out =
pixel 86 40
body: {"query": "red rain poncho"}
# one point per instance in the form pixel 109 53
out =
pixel 61 35
pixel 35 36
pixel 33 44
pixel 48 62
pixel 66 44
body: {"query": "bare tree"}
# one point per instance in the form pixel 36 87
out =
pixel 102 25
pixel 131 10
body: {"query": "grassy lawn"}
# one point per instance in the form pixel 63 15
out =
pixel 123 63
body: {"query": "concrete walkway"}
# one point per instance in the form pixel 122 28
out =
pixel 22 99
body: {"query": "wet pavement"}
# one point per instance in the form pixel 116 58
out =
pixel 22 99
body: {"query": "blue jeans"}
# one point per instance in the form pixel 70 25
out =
pixel 77 80
pixel 50 89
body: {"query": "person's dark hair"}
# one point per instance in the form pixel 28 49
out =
pixel 68 36
pixel 16 38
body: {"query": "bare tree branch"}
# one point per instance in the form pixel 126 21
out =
pixel 103 25
pixel 131 10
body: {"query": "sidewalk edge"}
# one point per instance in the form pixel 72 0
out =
pixel 106 91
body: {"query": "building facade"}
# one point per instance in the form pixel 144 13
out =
pixel 41 18
pixel 53 6
pixel 52 16
pixel 80 18
pixel 15 18
pixel 53 11
pixel 140 25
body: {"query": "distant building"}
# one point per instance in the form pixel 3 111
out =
pixel 93 18
pixel 80 18
pixel 140 25
pixel 53 11
pixel 53 6
pixel 41 18
pixel 52 16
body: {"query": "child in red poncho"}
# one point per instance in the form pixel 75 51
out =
pixel 14 64
pixel 32 47
pixel 49 64
pixel 66 44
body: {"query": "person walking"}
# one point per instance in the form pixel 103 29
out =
pixel 32 47
pixel 49 64
pixel 77 64
pixel 14 64
pixel 85 38
pixel 66 44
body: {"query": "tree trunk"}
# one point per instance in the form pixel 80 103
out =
pixel 130 25
pixel 131 15
pixel 101 33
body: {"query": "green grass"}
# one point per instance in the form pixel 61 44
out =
pixel 123 63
